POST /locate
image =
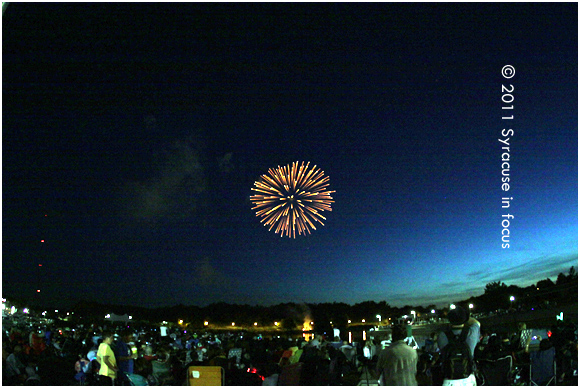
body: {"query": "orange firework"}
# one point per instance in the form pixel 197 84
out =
pixel 292 198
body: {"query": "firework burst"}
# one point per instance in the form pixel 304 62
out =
pixel 292 198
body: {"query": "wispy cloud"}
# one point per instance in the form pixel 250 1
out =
pixel 533 270
pixel 174 188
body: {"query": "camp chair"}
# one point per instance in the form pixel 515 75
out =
pixel 543 367
pixel 291 374
pixel 496 372
pixel 205 375
pixel 295 357
pixel 285 356
pixel 136 380
pixel 350 353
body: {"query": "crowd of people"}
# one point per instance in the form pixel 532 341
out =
pixel 127 355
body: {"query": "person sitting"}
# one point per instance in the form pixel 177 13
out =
pixel 495 349
pixel 15 367
pixel 542 362
pixel 162 367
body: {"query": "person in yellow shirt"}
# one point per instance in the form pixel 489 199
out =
pixel 106 357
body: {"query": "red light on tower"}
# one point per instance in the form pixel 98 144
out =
pixel 40 265
pixel 37 290
pixel 41 240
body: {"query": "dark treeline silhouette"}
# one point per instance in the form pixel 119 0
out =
pixel 496 298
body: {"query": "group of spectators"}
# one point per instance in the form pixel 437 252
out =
pixel 96 355
pixel 399 364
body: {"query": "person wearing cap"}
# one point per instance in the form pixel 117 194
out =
pixel 458 319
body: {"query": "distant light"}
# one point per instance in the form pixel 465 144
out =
pixel 349 321
pixel 25 310
pixel 413 312
pixel 512 298
pixel 130 317
pixel 67 313
pixel 275 323
pixel 56 311
pixel 255 323
pixel 37 290
pixel 181 321
pixel 363 321
pixel 206 323
pixel 40 265
pixel 44 313
pixel 452 306
pixel 432 311
pixel 107 316
pixel 41 240
pixel 233 324
pixel 532 309
pixel 13 310
pixel 471 305
pixel 331 322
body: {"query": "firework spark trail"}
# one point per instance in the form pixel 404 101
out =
pixel 292 198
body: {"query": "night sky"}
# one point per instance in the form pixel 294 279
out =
pixel 132 135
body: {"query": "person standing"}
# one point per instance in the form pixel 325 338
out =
pixel 106 357
pixel 397 364
pixel 125 355
pixel 457 346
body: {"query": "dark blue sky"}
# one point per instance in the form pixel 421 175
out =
pixel 139 130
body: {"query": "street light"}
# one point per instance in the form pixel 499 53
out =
pixel 378 316
pixel 470 306
pixel 452 306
